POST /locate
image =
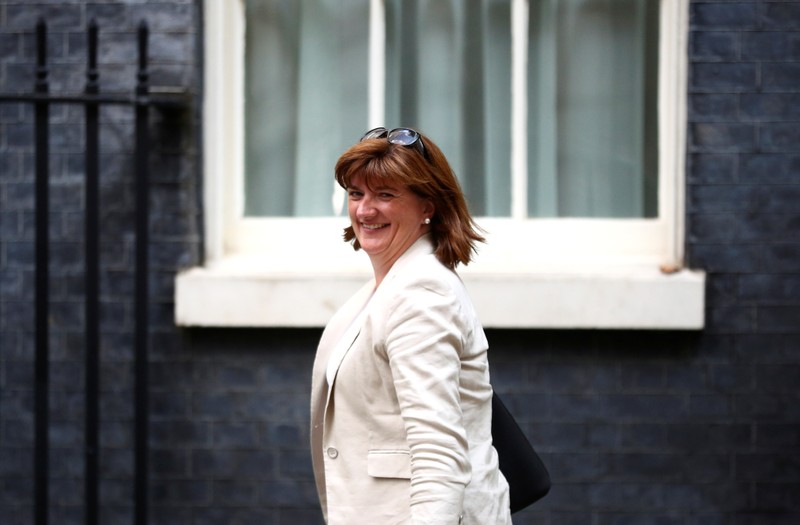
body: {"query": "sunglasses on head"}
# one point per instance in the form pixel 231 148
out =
pixel 401 136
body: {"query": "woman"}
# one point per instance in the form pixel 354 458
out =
pixel 401 399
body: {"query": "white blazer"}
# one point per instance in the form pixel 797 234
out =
pixel 403 436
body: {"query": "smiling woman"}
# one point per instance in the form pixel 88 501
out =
pixel 386 220
pixel 405 435
pixel 419 167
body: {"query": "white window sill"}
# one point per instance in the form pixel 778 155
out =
pixel 244 292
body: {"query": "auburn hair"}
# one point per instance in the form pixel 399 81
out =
pixel 453 230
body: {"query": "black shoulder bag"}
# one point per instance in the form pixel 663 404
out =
pixel 527 476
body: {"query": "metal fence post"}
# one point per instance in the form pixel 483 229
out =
pixel 92 278
pixel 42 406
pixel 142 253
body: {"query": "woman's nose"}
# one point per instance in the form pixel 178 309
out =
pixel 365 208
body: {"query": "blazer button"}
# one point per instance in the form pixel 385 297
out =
pixel 332 453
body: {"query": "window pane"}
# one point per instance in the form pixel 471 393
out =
pixel 592 108
pixel 448 73
pixel 305 101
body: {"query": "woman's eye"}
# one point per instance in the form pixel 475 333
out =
pixel 354 194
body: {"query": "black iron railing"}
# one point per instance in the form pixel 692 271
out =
pixel 142 100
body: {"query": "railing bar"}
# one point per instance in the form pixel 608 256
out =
pixel 142 100
pixel 42 275
pixel 177 99
pixel 92 277
pixel 141 306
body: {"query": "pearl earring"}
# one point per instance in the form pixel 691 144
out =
pixel 427 220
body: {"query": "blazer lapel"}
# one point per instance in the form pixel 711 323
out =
pixel 352 339
pixel 341 321
pixel 351 336
pixel 331 336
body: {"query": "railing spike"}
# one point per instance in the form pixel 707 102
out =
pixel 41 56
pixel 143 76
pixel 92 73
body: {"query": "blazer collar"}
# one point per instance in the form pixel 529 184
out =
pixel 334 333
pixel 338 326
pixel 422 246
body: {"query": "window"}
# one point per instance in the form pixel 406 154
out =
pixel 445 67
pixel 306 91
pixel 564 120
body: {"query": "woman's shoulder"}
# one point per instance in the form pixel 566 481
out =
pixel 428 272
pixel 426 292
pixel 425 285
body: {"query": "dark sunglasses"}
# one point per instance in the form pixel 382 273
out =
pixel 401 136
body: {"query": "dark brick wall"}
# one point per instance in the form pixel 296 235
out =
pixel 636 427
pixel 175 243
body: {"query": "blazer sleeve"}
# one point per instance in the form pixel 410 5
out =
pixel 424 342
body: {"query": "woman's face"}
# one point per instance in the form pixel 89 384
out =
pixel 386 219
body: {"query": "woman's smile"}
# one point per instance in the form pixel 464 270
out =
pixel 373 226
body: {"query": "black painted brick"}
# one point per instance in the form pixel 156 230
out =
pixel 284 434
pixel 288 493
pixel 770 107
pixel 770 168
pixel 771 349
pixel 59 16
pixel 735 227
pixel 782 257
pixel 715 45
pixel 730 319
pixel 180 492
pixel 235 435
pixel 782 77
pixel 181 432
pixel 777 15
pixel 713 107
pixel 771 46
pixel 782 497
pixel 712 77
pixel 709 437
pixel 723 198
pixel 299 517
pixel 712 168
pixel 779 319
pixel 171 463
pixel 240 493
pixel 295 463
pixel 780 137
pixel 740 15
pixel 777 436
pixel 770 289
pixel 722 137
pixel 755 466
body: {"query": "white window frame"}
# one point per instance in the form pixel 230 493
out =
pixel 612 273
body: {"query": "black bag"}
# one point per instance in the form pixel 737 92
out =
pixel 527 476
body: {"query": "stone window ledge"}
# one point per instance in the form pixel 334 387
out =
pixel 245 294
